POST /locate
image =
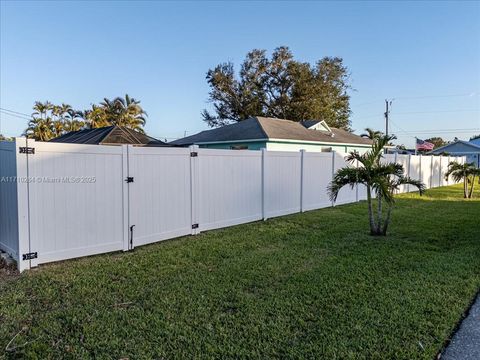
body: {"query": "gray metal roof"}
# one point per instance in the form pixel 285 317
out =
pixel 262 128
pixel 109 135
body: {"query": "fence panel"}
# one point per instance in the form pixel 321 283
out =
pixel 229 187
pixel 346 194
pixel 414 169
pixel 8 199
pixel 436 171
pixel 426 170
pixel 75 200
pixel 281 183
pixel 317 174
pixel 445 161
pixel 403 160
pixel 160 196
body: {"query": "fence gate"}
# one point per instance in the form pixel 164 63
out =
pixel 160 188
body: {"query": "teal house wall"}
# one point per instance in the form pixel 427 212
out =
pixel 286 146
pixel 256 145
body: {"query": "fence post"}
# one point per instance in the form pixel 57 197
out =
pixel 194 169
pixel 333 170
pixel 126 197
pixel 264 205
pixel 302 177
pixel 23 203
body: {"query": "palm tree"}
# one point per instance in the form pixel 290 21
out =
pixel 466 172
pixel 125 112
pixel 42 109
pixel 57 128
pixel 73 120
pixel 94 117
pixel 40 129
pixel 371 134
pixel 382 179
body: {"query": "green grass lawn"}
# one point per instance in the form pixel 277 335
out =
pixel 312 285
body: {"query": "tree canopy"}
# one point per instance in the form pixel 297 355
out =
pixel 279 87
pixel 437 141
pixel 50 121
pixel 474 137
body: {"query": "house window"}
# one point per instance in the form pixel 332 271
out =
pixel 239 147
pixel 327 149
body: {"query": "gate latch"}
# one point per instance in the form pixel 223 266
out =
pixel 129 179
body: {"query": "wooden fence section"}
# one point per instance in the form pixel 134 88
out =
pixel 61 201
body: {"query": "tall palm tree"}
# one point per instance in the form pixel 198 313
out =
pixel 73 120
pixel 466 172
pixel 381 179
pixel 42 109
pixel 94 117
pixel 371 134
pixel 125 112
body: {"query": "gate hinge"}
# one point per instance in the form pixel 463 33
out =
pixel 194 226
pixel 26 150
pixel 30 256
pixel 194 154
pixel 129 179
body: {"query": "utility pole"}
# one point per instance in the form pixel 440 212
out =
pixel 387 112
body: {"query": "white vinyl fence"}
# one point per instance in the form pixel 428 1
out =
pixel 61 201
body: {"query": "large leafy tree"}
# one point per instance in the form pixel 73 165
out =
pixel 379 178
pixel 279 87
pixel 463 172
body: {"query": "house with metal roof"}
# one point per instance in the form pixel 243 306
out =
pixel 278 134
pixel 470 149
pixel 109 135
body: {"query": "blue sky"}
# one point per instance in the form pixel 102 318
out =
pixel 425 55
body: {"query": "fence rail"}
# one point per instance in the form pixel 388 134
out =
pixel 76 200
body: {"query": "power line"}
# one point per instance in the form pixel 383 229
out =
pixel 436 96
pixel 437 111
pixel 15 112
pixel 15 115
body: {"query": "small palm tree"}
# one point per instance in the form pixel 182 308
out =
pixel 371 134
pixel 57 128
pixel 40 129
pixel 381 179
pixel 466 172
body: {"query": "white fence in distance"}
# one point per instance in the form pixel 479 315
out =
pixel 53 211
